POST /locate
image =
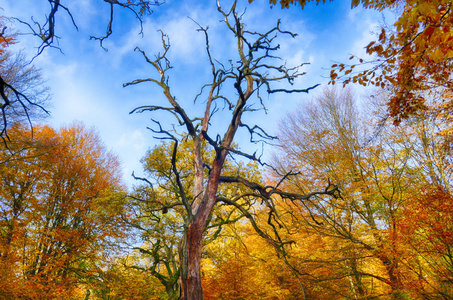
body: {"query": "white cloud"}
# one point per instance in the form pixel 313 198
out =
pixel 185 41
pixel 368 34
pixel 132 138
pixel 177 22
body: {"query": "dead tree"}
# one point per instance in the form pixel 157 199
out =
pixel 255 71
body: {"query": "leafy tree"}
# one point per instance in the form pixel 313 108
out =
pixel 427 213
pixel 425 237
pixel 239 264
pixel 60 194
pixel 375 176
pixel 432 146
pixel 113 280
pixel 395 184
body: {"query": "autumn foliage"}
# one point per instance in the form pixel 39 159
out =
pixel 382 228
pixel 388 236
pixel 413 58
pixel 60 194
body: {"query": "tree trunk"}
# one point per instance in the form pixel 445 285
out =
pixel 191 249
pixel 394 281
pixel 191 279
pixel 192 244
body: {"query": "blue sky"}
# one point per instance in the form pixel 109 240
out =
pixel 86 81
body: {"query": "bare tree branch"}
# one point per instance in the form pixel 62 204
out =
pixel 246 77
pixel 5 91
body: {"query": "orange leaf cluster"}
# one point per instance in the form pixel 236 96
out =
pixel 417 57
pixel 57 194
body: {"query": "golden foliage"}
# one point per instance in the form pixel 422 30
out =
pixel 60 194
